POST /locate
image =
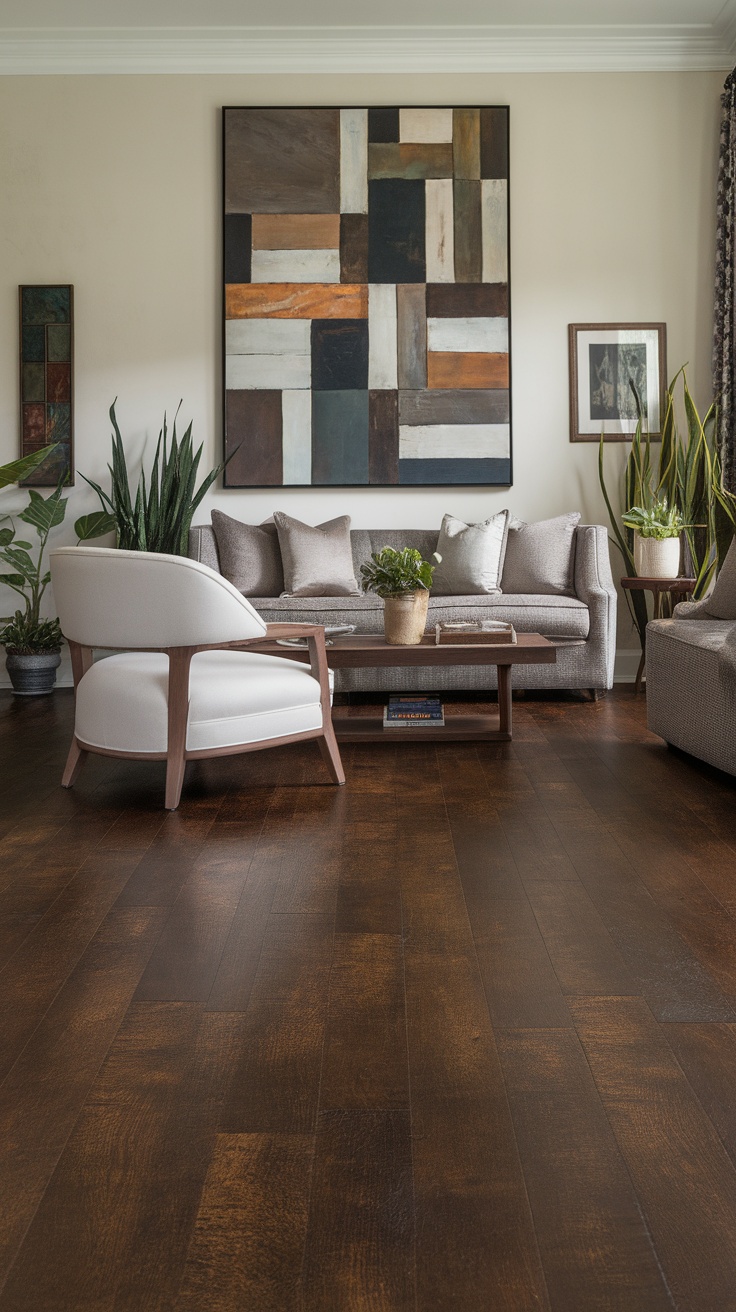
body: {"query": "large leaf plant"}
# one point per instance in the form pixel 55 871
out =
pixel 688 478
pixel 158 517
pixel 25 632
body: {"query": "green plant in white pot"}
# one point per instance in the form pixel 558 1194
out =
pixel 657 530
pixel 403 579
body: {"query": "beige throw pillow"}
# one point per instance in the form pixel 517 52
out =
pixel 472 556
pixel 249 555
pixel 722 601
pixel 318 562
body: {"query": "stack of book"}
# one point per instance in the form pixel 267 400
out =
pixel 413 711
pixel 474 633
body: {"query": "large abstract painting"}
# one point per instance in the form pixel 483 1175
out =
pixel 46 353
pixel 366 280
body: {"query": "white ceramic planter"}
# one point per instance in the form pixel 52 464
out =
pixel 657 558
pixel 405 618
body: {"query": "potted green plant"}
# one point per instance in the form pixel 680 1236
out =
pixel 403 579
pixel 32 644
pixel 159 516
pixel 657 530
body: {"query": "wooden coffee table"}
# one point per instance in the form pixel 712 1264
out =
pixel 367 650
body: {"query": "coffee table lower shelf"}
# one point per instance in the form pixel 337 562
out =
pixel 456 729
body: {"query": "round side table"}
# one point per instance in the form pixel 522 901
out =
pixel 677 589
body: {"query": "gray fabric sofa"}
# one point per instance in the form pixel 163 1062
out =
pixel 583 625
pixel 691 683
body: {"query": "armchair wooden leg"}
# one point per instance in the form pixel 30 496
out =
pixel 175 768
pixel 331 754
pixel 74 762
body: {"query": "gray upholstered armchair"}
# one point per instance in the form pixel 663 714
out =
pixel 691 674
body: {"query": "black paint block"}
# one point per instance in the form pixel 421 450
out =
pixel 383 124
pixel 396 222
pixel 339 354
pixel 237 247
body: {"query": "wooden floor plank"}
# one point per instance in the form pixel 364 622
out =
pixel 247 1250
pixel 668 1143
pixel 360 1235
pixel 597 1255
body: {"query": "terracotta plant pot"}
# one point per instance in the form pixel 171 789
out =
pixel 405 618
pixel 32 675
pixel 657 558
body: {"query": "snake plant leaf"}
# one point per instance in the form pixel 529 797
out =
pixel 94 525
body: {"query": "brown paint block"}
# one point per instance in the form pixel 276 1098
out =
pixel 296 300
pixel 58 382
pixel 253 431
pixel 353 248
pixel 468 235
pixel 494 147
pixel 300 232
pixel 34 423
pixel 466 143
pixel 409 160
pixel 411 335
pixel 458 369
pixel 452 300
pixel 383 437
pixel 282 161
pixel 455 406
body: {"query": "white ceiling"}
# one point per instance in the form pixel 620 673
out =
pixel 88 36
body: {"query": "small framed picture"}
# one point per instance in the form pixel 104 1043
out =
pixel 611 364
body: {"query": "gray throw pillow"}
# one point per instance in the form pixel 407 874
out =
pixel 472 556
pixel 722 601
pixel 249 554
pixel 539 557
pixel 317 561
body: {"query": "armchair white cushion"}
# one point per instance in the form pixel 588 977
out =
pixel 177 694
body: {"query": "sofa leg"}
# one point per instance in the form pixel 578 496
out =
pixel 331 754
pixel 594 694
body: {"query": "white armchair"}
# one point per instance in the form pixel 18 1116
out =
pixel 184 685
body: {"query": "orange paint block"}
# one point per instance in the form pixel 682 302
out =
pixel 296 300
pixel 295 232
pixel 467 369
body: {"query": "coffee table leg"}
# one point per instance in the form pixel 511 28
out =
pixel 504 700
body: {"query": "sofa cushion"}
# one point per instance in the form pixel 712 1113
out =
pixel 249 555
pixel 317 561
pixel 552 616
pixel 539 557
pixel 471 556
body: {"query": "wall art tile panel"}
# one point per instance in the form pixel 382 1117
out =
pixel 366 294
pixel 46 380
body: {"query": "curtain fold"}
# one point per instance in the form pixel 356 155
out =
pixel 724 334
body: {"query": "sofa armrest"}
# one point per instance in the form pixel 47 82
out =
pixel 594 585
pixel 692 610
pixel 203 546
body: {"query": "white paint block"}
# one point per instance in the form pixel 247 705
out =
pixel 494 227
pixel 425 125
pixel 296 419
pixel 382 348
pixel 453 441
pixel 354 161
pixel 267 337
pixel 439 230
pixel 468 334
pixel 243 372
pixel 295 266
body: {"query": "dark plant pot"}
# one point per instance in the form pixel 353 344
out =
pixel 32 675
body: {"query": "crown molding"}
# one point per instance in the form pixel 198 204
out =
pixel 509 49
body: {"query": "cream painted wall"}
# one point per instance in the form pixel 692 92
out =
pixel 112 184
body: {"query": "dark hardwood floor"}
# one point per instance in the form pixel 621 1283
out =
pixel 461 1035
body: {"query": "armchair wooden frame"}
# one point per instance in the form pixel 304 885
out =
pixel 176 755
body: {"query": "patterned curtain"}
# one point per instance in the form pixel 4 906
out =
pixel 724 339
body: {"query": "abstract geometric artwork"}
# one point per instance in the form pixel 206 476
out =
pixel 46 354
pixel 366 275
